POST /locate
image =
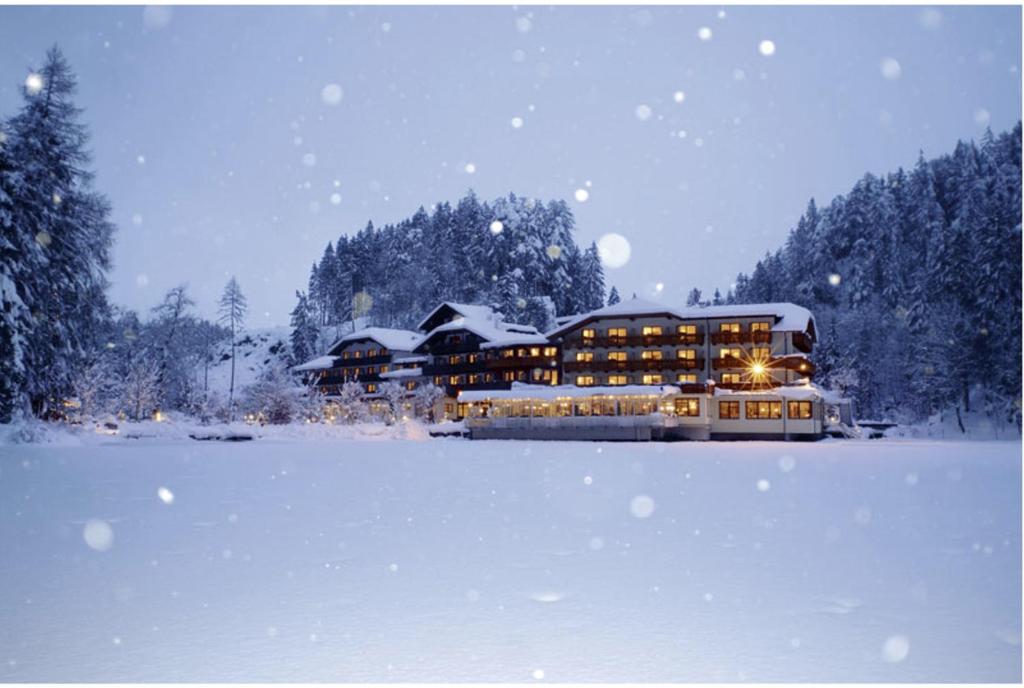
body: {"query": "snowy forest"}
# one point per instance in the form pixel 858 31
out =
pixel 915 282
pixel 516 253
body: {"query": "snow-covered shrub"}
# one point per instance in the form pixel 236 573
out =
pixel 425 398
pixel 274 398
pixel 349 407
pixel 92 386
pixel 393 394
pixel 139 393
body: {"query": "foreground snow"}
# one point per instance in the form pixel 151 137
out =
pixel 449 560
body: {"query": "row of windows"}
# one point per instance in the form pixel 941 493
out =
pixel 532 352
pixel 369 353
pixel 645 355
pixel 541 376
pixel 657 379
pixel 656 330
pixel 372 387
pixel 765 410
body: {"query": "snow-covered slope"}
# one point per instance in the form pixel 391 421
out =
pixel 256 350
pixel 449 560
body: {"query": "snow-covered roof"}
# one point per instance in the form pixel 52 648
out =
pixel 554 392
pixel 318 363
pixel 493 333
pixel 788 316
pixel 798 392
pixel 402 372
pixel 395 340
pixel 464 309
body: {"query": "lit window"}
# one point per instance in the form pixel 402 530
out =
pixel 410 385
pixel 357 354
pixel 617 332
pixel 729 410
pixel 472 358
pixel 651 355
pixel 383 369
pixel 798 410
pixel 651 330
pixel 357 372
pixel 761 353
pixel 584 355
pixel 687 378
pixel 453 379
pixel 687 354
pixel 535 351
pixel 760 327
pixel 653 379
pixel 764 410
pixel 509 376
pixel 474 378
pixel 731 353
pixel 687 407
pixel 729 327
pixel 371 352
pixel 730 378
pixel 589 333
pixel 345 354
pixel 508 353
pixel 617 379
pixel 687 329
pixel 617 356
pixel 550 351
pixel 438 380
pixel 584 380
pixel 371 388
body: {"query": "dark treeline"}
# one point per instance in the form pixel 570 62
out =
pixel 915 282
pixel 515 253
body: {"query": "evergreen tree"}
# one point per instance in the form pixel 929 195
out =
pixel 613 297
pixel 693 298
pixel 232 308
pixel 59 228
pixel 305 336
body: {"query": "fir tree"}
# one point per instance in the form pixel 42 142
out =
pixel 232 308
pixel 613 297
pixel 305 336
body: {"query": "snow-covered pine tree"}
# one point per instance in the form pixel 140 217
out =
pixel 63 276
pixel 693 298
pixel 305 334
pixel 613 296
pixel 592 280
pixel 232 308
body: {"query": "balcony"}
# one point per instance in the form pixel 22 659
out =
pixel 633 340
pixel 759 337
pixel 641 365
pixel 727 362
pixel 364 361
pixel 797 364
pixel 522 362
pixel 444 368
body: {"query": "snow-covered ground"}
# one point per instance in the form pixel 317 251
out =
pixel 449 560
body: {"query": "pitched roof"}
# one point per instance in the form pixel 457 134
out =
pixel 464 309
pixel 395 340
pixel 788 316
pixel 493 333
pixel 318 363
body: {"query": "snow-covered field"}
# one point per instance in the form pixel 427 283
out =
pixel 448 560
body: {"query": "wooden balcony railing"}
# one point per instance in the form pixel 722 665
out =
pixel 613 366
pixel 797 364
pixel 802 341
pixel 444 368
pixel 759 337
pixel 633 340
pixel 522 362
pixel 364 361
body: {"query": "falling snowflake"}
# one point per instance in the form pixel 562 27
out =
pixel 141 159
pixel 763 485
pixel 704 33
pixel 587 480
pixel 738 74
pixel 766 47
pixel 596 544
pixel 98 535
pixel 392 567
pixel 137 220
pixel 332 94
pixel 613 250
pixel 497 227
pixel 641 506
pixel 895 649
pixel 165 495
pixel 517 122
pixel 679 96
pixel 538 674
pixel 470 168
pixel 642 112
pixel 891 68
pixel 982 117
pixel 834 279
pixel 554 251
pixel 582 195
pixel 523 24
pixel 335 199
pixel 787 463
pixel 309 160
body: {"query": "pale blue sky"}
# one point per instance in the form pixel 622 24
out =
pixel 223 103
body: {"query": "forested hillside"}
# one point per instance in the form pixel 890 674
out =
pixel 915 280
pixel 517 253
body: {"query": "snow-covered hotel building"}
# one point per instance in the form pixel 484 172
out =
pixel 635 370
